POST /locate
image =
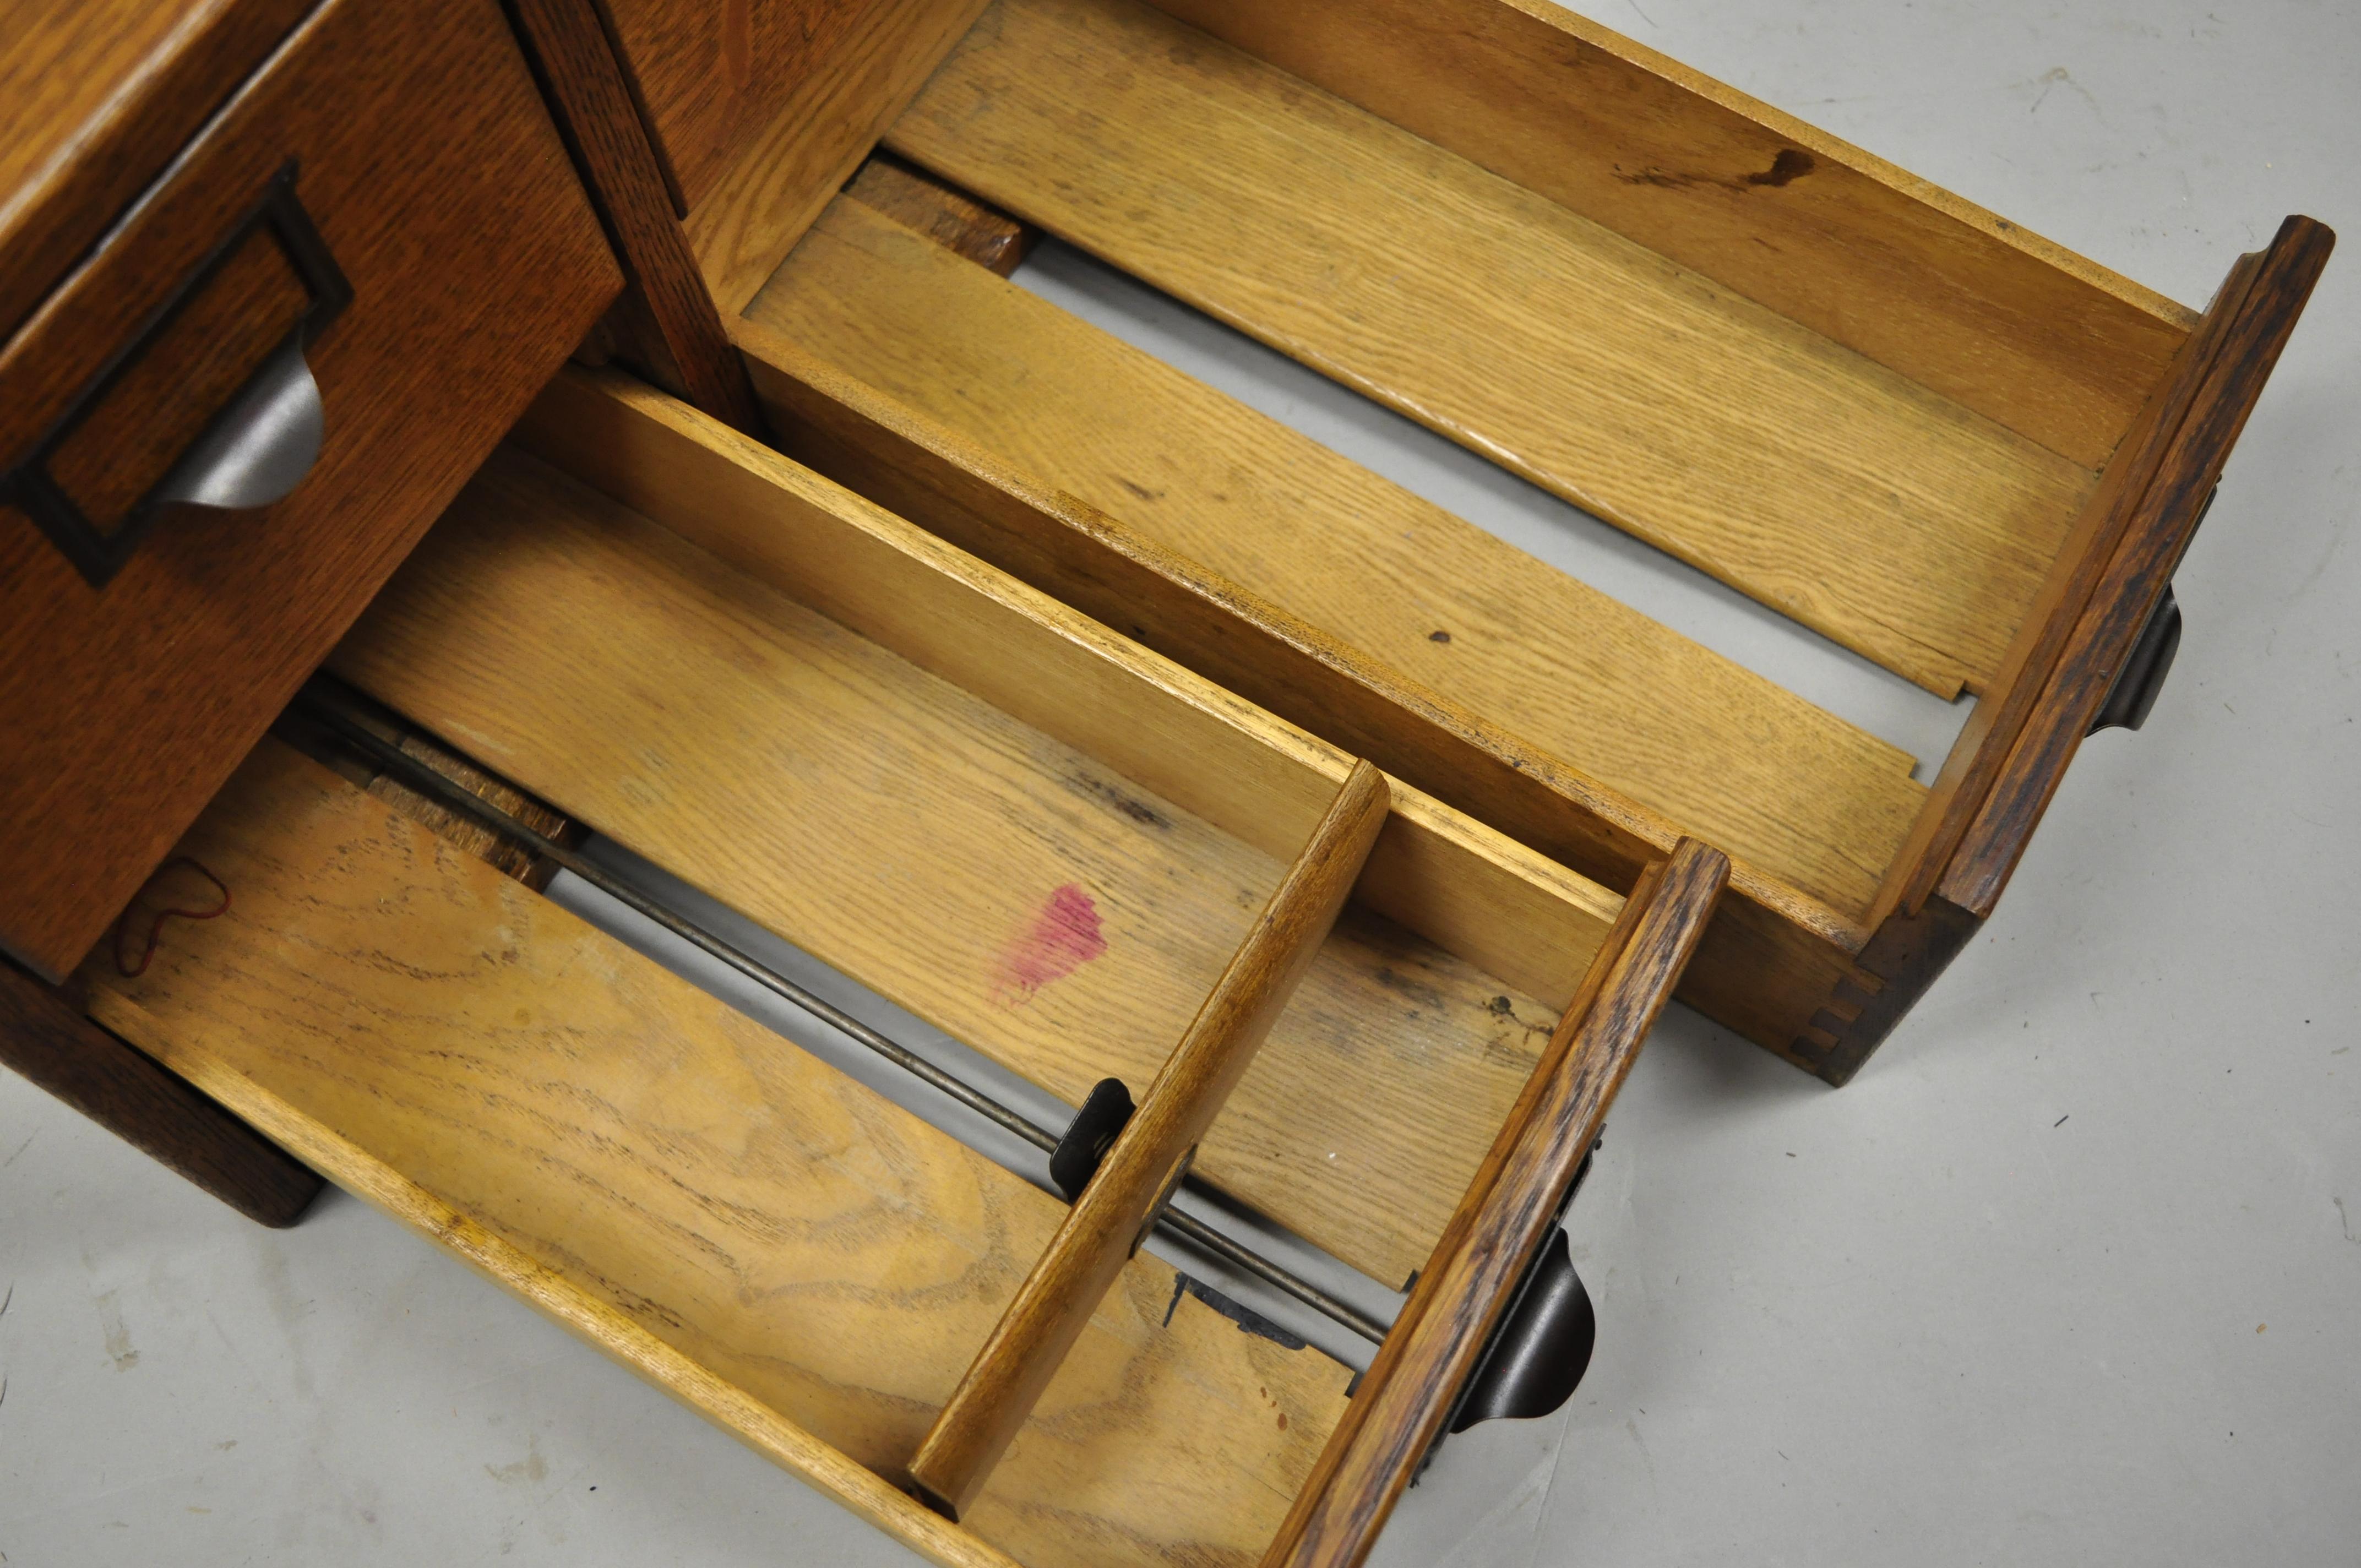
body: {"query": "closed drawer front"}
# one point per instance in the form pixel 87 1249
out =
pixel 99 95
pixel 229 422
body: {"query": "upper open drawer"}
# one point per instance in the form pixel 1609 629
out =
pixel 1941 442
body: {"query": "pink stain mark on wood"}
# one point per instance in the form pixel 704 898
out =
pixel 1065 936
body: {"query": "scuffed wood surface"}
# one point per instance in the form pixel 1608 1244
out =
pixel 649 1165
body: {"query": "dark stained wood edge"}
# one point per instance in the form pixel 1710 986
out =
pixel 2155 534
pixel 629 69
pixel 1408 1392
pixel 2009 761
pixel 668 315
pixel 1903 959
pixel 1983 745
pixel 1104 1228
pixel 46 1038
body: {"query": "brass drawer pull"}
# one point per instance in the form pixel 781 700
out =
pixel 263 439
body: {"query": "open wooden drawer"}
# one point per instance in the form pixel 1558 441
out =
pixel 1063 850
pixel 1947 444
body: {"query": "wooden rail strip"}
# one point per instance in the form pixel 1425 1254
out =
pixel 1104 1228
pixel 945 214
pixel 1734 758
pixel 667 312
pixel 1509 1207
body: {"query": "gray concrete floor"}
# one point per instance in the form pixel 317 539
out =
pixel 2072 1273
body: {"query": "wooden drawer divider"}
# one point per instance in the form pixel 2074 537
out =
pixel 1148 1158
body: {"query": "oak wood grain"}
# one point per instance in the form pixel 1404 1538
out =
pixel 1999 319
pixel 839 74
pixel 1020 894
pixel 799 1259
pixel 1904 955
pixel 45 1036
pixel 1406 1396
pixel 1981 748
pixel 2257 319
pixel 1726 755
pixel 1850 497
pixel 1465 888
pixel 2011 754
pixel 475 265
pixel 675 333
pixel 714 78
pixel 96 96
pixel 1106 1224
pixel 1772 955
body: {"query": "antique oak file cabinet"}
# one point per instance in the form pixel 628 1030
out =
pixel 449 444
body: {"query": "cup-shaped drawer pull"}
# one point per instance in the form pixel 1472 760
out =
pixel 2134 690
pixel 209 402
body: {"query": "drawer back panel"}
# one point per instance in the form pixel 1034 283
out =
pixel 2022 331
pixel 1868 505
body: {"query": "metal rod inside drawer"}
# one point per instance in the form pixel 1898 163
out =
pixel 322 704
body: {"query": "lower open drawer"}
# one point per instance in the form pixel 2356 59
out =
pixel 996 815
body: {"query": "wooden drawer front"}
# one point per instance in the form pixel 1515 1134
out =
pixel 392 155
pixel 1004 819
pixel 95 97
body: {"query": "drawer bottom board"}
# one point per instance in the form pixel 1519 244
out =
pixel 800 1260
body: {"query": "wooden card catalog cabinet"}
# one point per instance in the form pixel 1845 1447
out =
pixel 1251 837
